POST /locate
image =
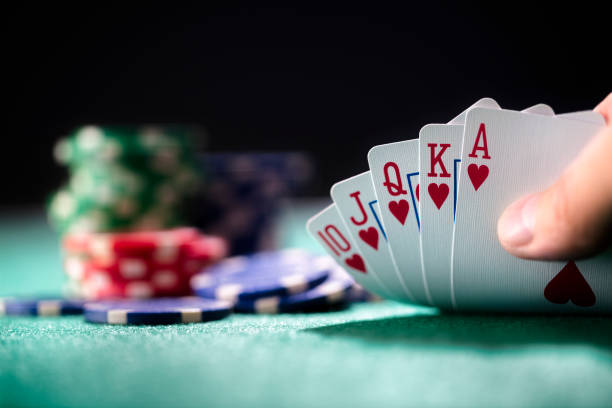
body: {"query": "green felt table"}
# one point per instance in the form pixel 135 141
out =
pixel 381 354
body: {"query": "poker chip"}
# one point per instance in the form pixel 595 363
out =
pixel 334 291
pixel 106 212
pixel 125 178
pixel 206 248
pixel 138 264
pixel 119 212
pixel 129 144
pixel 156 311
pixel 266 274
pixel 166 244
pixel 40 306
pixel 244 193
pixel 101 286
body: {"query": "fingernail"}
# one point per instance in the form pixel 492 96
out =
pixel 516 225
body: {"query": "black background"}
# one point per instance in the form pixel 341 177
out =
pixel 330 80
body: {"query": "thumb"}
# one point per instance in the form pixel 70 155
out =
pixel 573 217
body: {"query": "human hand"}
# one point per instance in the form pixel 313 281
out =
pixel 573 217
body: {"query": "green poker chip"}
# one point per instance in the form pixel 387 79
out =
pixel 124 178
pixel 107 182
pixel 156 206
pixel 68 214
pixel 161 146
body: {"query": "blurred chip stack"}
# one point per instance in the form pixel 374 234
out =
pixel 127 191
pixel 124 179
pixel 138 264
pixel 244 193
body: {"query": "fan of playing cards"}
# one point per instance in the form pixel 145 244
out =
pixel 420 225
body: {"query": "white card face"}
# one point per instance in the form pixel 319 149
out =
pixel 358 207
pixel 395 176
pixel 586 116
pixel 436 209
pixel 440 155
pixel 329 230
pixel 507 155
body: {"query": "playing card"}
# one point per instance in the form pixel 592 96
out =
pixel 328 229
pixel 394 169
pixel 395 175
pixel 439 163
pixel 586 116
pixel 356 202
pixel 506 155
pixel 440 155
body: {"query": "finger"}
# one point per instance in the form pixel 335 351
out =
pixel 605 108
pixel 572 218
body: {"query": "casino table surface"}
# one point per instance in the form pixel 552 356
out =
pixel 381 354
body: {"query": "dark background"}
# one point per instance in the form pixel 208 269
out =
pixel 330 80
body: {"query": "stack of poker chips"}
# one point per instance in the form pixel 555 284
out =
pixel 124 179
pixel 115 271
pixel 137 264
pixel 285 281
pixel 245 192
pixel 118 213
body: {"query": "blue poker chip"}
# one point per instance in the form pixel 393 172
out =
pixel 278 273
pixel 334 291
pixel 40 306
pixel 156 311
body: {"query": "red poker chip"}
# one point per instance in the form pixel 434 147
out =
pixel 206 248
pixel 75 267
pixel 193 266
pixel 100 286
pixel 93 282
pixel 130 267
pixel 104 245
pixel 127 269
pixel 139 264
pixel 100 289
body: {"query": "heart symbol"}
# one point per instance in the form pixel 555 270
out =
pixel 569 284
pixel 417 192
pixel 356 262
pixel 370 237
pixel 438 193
pixel 399 209
pixel 478 174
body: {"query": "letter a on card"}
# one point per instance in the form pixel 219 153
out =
pixel 484 275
